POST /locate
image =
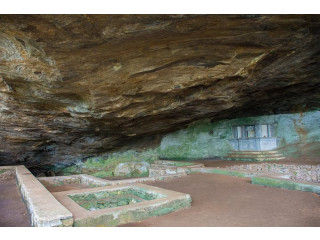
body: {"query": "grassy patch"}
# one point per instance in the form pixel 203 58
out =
pixel 102 174
pixel 74 169
pixel 222 172
pixel 58 183
pixel 3 171
pixel 179 164
pixel 278 183
pixel 226 172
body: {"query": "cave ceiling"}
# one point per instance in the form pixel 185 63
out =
pixel 73 86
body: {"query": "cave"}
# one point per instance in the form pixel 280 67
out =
pixel 157 119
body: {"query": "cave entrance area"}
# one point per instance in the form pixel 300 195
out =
pixel 254 137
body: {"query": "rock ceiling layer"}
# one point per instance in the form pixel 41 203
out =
pixel 76 85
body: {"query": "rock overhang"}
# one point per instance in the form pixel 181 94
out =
pixel 76 85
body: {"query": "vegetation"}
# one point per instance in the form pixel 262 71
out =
pixel 291 185
pixel 105 199
pixel 3 171
pixel 179 164
pixel 103 166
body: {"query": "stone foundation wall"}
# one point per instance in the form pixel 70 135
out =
pixel 309 173
pixel 44 209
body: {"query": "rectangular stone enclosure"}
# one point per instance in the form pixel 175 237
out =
pixel 115 205
pixel 110 199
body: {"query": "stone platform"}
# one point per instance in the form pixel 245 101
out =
pixel 164 167
pixel 255 156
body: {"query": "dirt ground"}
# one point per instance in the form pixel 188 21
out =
pixel 13 211
pixel 62 188
pixel 225 201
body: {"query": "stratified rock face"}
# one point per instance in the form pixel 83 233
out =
pixel 76 85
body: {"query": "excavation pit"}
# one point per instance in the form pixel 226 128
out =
pixel 115 205
pixel 106 199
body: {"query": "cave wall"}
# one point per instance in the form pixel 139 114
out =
pixel 299 135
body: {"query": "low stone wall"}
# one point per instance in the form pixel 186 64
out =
pixel 44 209
pixel 82 179
pixel 222 171
pixel 286 184
pixel 165 170
pixel 146 179
pixel 162 167
pixel 309 173
pixel 92 181
pixel 62 179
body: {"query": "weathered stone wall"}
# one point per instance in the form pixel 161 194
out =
pixel 299 135
pixel 297 172
pixel 44 209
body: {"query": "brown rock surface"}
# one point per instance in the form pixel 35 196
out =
pixel 76 85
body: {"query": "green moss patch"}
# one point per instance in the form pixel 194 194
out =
pixel 104 166
pixel 220 171
pixel 102 174
pixel 58 183
pixel 226 172
pixel 285 184
pixel 3 171
pixel 180 164
pixel 135 215
pixel 297 150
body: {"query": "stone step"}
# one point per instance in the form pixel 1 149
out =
pixel 176 163
pixel 251 156
pixel 248 156
pixel 255 155
pixel 165 171
pixel 159 166
pixel 254 152
pixel 255 159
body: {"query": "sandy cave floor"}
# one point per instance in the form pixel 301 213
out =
pixel 13 211
pixel 226 201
